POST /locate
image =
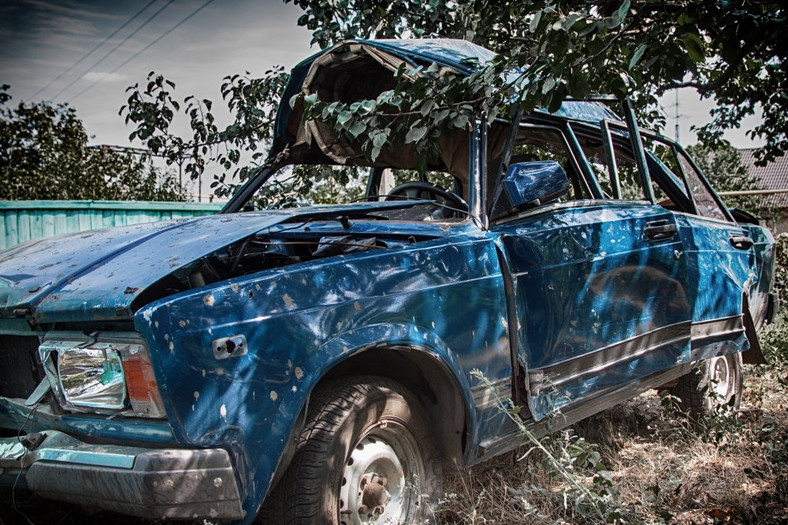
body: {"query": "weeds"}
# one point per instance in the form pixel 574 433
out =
pixel 644 462
pixel 586 492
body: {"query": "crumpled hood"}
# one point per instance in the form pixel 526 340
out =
pixel 95 275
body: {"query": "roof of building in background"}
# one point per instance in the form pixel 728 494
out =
pixel 773 176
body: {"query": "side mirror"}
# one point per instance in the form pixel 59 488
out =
pixel 530 184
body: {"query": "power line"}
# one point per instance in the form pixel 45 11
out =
pixel 138 53
pixel 100 60
pixel 86 55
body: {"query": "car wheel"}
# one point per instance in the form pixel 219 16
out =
pixel 366 455
pixel 714 384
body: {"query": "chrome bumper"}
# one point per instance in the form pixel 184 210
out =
pixel 150 483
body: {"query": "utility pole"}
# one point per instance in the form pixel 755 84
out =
pixel 676 106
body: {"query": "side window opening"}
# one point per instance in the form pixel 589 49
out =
pixel 705 201
pixel 533 144
pixel 667 182
pixel 676 182
pixel 630 185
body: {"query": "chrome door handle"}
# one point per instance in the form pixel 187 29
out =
pixel 661 230
pixel 741 242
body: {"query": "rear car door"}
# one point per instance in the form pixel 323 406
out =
pixel 720 255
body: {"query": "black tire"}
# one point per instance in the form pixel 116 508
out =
pixel 714 384
pixel 366 455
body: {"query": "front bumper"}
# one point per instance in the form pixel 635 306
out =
pixel 144 482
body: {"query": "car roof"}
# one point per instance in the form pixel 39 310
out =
pixel 460 55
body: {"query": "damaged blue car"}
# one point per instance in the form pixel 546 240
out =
pixel 321 363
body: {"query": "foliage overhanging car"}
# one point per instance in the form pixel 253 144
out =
pixel 324 361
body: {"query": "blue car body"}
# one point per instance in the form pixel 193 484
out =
pixel 563 305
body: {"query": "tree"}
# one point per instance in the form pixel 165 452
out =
pixel 733 51
pixel 44 155
pixel 252 102
pixel 722 165
pixel 548 50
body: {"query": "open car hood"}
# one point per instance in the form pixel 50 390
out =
pixel 461 56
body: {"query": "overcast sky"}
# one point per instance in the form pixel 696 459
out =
pixel 40 40
pixel 44 46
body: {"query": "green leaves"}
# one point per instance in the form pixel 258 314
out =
pixel 548 50
pixel 629 48
pixel 44 154
pixel 694 47
pixel 379 138
pixel 637 55
pixel 344 116
pixel 415 134
pixel 460 121
pixel 252 102
pixel 621 13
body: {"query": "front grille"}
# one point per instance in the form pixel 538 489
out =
pixel 20 371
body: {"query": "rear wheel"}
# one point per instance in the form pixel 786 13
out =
pixel 366 456
pixel 714 384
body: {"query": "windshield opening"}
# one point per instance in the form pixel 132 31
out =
pixel 404 194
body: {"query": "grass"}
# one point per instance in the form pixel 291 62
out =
pixel 660 470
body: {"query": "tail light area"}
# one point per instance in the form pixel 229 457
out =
pixel 104 373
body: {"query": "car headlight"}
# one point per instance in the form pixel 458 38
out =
pixel 107 371
pixel 91 377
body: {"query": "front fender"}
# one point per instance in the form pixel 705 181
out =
pixel 438 295
pixel 384 337
pixel 383 340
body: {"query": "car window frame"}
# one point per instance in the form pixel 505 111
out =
pixel 606 131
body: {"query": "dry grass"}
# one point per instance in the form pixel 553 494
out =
pixel 662 470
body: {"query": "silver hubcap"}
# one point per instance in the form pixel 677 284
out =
pixel 373 484
pixel 720 375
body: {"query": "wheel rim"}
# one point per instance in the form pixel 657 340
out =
pixel 375 481
pixel 720 376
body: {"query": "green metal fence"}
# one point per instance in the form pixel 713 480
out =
pixel 22 221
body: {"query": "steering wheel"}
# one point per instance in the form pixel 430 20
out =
pixel 416 190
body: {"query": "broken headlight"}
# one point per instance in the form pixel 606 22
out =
pixel 91 377
pixel 105 373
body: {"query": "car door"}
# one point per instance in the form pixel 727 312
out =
pixel 600 287
pixel 721 263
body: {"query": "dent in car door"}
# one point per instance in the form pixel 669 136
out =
pixel 601 297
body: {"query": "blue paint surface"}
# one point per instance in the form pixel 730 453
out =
pixel 444 297
pixel 586 278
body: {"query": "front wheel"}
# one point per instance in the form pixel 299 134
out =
pixel 713 385
pixel 366 456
